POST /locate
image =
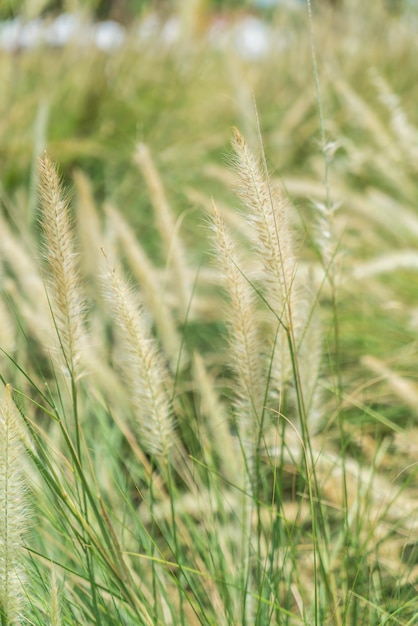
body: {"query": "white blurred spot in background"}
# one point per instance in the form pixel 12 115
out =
pixel 252 37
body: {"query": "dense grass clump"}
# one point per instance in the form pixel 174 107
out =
pixel 209 364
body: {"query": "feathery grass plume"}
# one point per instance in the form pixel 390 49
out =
pixel 7 329
pixel 248 385
pixel 324 235
pixel 55 601
pixel 216 417
pixel 405 389
pixel 13 512
pixel 150 283
pixel 363 113
pixel 27 289
pixel 143 368
pixel 269 215
pixel 243 337
pixel 406 134
pixel 64 289
pixel 89 231
pixel 167 226
pixel 273 238
pixel 309 353
pixel 386 263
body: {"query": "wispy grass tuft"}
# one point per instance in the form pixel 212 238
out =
pixel 144 372
pixel 67 304
pixel 246 356
pixel 167 227
pixel 267 211
pixel 13 513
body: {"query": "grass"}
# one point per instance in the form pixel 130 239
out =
pixel 210 367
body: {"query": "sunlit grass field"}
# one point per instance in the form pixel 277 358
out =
pixel 208 324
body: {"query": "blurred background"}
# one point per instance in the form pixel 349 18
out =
pixel 90 78
pixel 124 10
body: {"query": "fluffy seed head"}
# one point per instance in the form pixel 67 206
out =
pixel 66 302
pixel 143 369
pixel 13 512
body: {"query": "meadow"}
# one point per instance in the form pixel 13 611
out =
pixel 208 323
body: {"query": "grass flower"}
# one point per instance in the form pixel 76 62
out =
pixel 167 226
pixel 13 513
pixel 144 372
pixel 244 340
pixel 267 212
pixel 64 290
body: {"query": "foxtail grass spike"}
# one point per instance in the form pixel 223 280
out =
pixel 143 368
pixel 13 513
pixel 63 283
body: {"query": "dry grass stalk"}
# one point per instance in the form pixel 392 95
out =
pixel 248 384
pixel 364 114
pixel 402 387
pixel 64 289
pixel 325 236
pixel 13 512
pixel 143 368
pixel 295 328
pixel 406 134
pixel 55 611
pixel 309 353
pixel 244 340
pixel 7 330
pixel 216 417
pixel 268 213
pixel 150 284
pixel 89 230
pixel 167 226
pixel 26 289
pixel 386 263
